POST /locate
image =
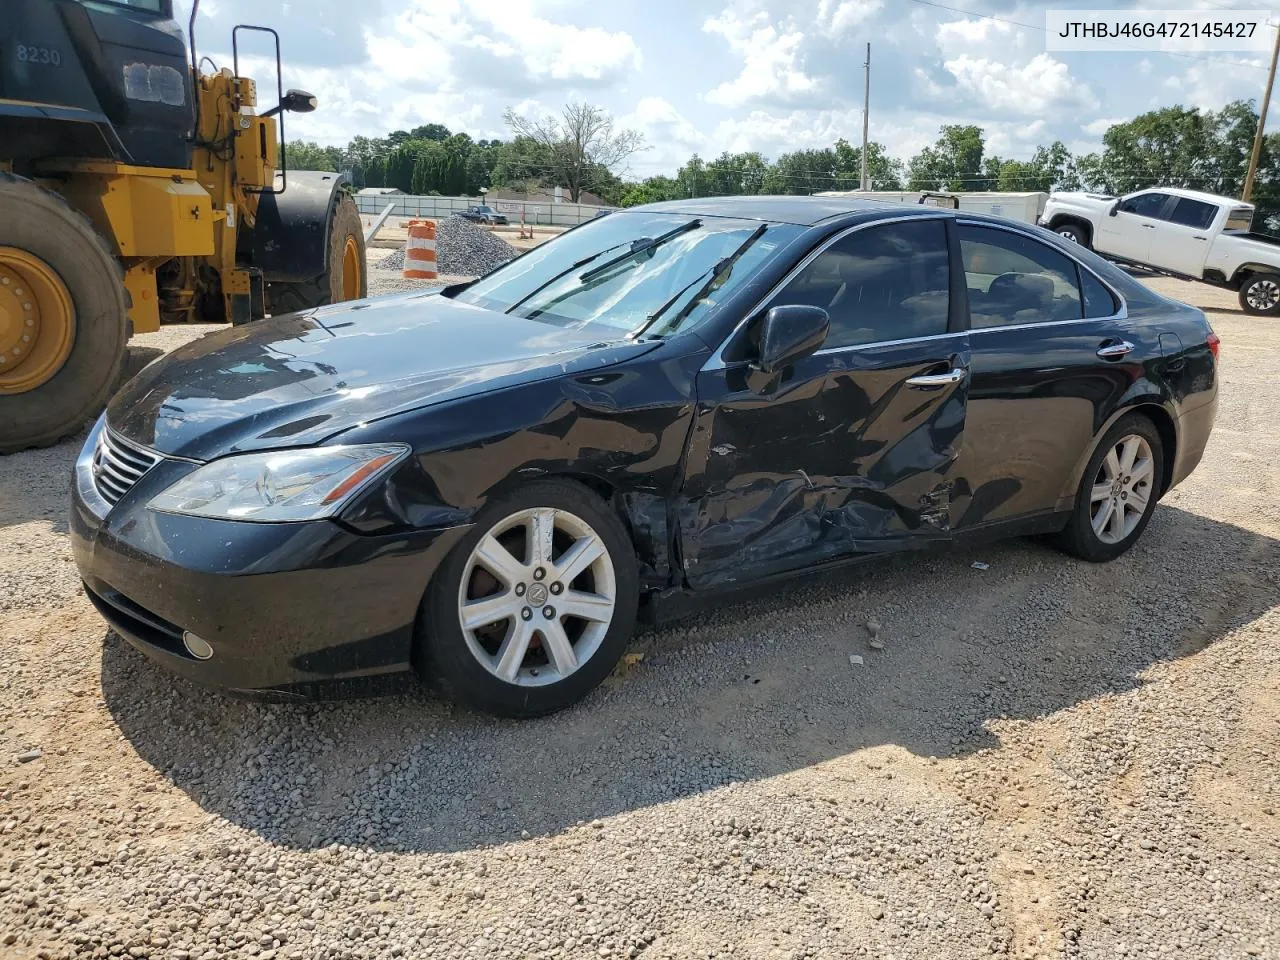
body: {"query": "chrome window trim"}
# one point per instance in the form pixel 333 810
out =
pixel 717 362
pixel 826 351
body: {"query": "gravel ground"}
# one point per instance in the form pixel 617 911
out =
pixel 1044 759
pixel 462 248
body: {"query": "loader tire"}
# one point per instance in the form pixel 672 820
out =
pixel 345 276
pixel 71 311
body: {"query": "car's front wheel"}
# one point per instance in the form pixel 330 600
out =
pixel 1117 493
pixel 534 607
pixel 1073 233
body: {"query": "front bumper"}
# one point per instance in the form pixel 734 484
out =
pixel 288 608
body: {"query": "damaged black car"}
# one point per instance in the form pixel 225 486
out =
pixel 484 483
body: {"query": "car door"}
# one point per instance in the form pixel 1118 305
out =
pixel 1181 242
pixel 1048 362
pixel 1127 233
pixel 851 449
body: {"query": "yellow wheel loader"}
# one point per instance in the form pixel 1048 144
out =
pixel 137 190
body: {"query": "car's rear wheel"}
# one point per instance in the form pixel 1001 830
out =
pixel 533 608
pixel 1260 294
pixel 1118 492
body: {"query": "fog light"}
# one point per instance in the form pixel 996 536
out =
pixel 198 648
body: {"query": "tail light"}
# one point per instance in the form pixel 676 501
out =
pixel 1213 341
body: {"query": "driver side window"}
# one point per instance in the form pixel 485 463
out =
pixel 885 282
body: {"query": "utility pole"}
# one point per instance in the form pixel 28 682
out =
pixel 866 109
pixel 1262 122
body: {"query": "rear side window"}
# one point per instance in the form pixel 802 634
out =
pixel 887 282
pixel 1013 279
pixel 1193 213
pixel 1098 300
pixel 1240 218
pixel 1146 205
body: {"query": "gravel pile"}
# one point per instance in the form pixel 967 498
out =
pixel 1038 759
pixel 462 248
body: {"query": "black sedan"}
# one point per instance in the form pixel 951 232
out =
pixel 483 483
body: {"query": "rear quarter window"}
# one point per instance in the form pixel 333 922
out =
pixel 1240 218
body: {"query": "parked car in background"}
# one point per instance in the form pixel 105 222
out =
pixel 484 482
pixel 484 214
pixel 1198 236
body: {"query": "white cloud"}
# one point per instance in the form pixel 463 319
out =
pixel 504 46
pixel 839 18
pixel 1211 86
pixel 770 57
pixel 1097 128
pixel 1041 84
pixel 981 37
pixel 669 136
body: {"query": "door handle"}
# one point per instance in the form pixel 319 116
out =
pixel 955 375
pixel 1199 238
pixel 1148 226
pixel 1114 351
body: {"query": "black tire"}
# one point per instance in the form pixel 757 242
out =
pixel 1074 233
pixel 443 656
pixel 1079 538
pixel 43 224
pixel 330 286
pixel 1259 290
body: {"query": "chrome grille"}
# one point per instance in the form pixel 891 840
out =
pixel 118 465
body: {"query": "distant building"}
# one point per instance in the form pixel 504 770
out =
pixel 381 192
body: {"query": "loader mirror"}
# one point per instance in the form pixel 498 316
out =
pixel 298 101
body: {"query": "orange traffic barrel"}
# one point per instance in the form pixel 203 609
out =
pixel 420 250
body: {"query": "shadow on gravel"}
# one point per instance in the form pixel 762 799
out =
pixel 748 690
pixel 34 483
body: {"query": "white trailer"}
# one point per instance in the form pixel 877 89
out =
pixel 1026 207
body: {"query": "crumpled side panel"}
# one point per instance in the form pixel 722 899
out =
pixel 854 461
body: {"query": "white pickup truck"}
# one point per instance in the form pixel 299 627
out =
pixel 1185 233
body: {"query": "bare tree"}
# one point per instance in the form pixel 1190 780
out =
pixel 578 143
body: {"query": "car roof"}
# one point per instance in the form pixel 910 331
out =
pixel 1200 195
pixel 803 211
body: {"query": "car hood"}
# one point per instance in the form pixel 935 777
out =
pixel 299 379
pixel 1083 199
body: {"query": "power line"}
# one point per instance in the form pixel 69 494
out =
pixel 1033 26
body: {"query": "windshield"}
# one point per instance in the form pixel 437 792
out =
pixel 635 272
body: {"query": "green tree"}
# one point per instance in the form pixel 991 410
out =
pixel 309 155
pixel 691 179
pixel 650 190
pixel 883 171
pixel 954 162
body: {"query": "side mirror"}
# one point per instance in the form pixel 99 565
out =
pixel 790 333
pixel 1115 208
pixel 298 101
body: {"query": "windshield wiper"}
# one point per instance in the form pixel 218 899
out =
pixel 719 273
pixel 638 246
pixel 559 276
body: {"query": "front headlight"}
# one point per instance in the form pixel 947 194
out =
pixel 281 485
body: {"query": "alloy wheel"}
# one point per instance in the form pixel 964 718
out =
pixel 1068 235
pixel 1263 294
pixel 537 596
pixel 1122 489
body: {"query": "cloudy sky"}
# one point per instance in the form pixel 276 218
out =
pixel 714 75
